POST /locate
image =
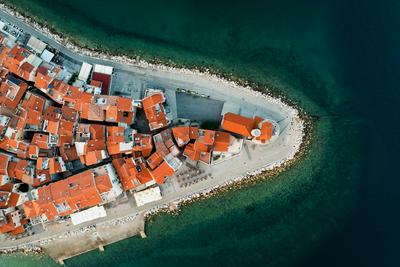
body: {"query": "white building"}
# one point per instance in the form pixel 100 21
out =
pixel 84 73
pixel 103 69
pixel 147 196
pixel 88 215
pixel 36 45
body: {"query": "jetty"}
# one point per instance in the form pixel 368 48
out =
pixel 98 236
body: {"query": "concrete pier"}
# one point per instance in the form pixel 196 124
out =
pixel 142 234
pixel 91 239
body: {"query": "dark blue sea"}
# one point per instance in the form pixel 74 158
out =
pixel 338 60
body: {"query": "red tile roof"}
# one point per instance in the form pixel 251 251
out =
pixel 132 172
pixel 154 111
pixel 41 140
pixel 67 196
pixel 142 143
pixel 161 172
pixel 191 153
pixel 11 92
pixel 183 134
pixel 222 141
pixel 237 124
pixel 266 132
pixel 154 160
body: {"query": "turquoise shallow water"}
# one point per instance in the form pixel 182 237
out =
pixel 323 55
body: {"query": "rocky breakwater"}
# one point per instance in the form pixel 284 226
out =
pixel 28 249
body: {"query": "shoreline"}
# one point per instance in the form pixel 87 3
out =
pixel 301 148
pixel 238 182
pixel 134 60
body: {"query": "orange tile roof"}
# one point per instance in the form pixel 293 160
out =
pixel 31 209
pixel 23 145
pixel 31 111
pixel 237 124
pixel 266 132
pixel 85 132
pixel 45 77
pixel 122 167
pixel 125 117
pixel 33 117
pixel 21 120
pixel 68 153
pixel 206 143
pixel 112 113
pixel 96 144
pixel 69 114
pixel 154 160
pixel 42 177
pixel 152 100
pixel 3 163
pixel 154 111
pixel 92 157
pixel 13 201
pixel 78 98
pixel 156 117
pixel 132 172
pixel 39 163
pixel 41 140
pixel 67 196
pixel 55 165
pixel 33 151
pixel 103 183
pixel 97 132
pixel 92 112
pixel 181 135
pixel 124 104
pixel 206 136
pixel 13 61
pixel 115 133
pixel 42 80
pixel 161 172
pixel 73 96
pixel 9 144
pixel 164 143
pixel 65 128
pixel 52 127
pixel 104 108
pixel 113 148
pixel 193 132
pixel 4 198
pixel 7 187
pixel 10 227
pixel 21 172
pixel 191 153
pixel 222 141
pixel 142 143
pixel 11 92
pixel 52 113
pixel 201 147
pixel 34 102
